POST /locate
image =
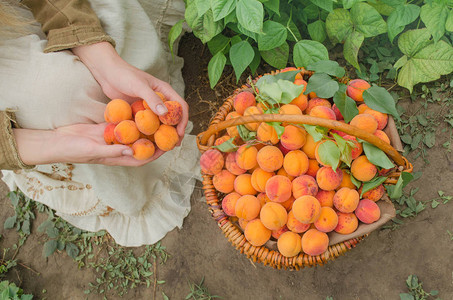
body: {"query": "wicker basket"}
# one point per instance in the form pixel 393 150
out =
pixel 233 233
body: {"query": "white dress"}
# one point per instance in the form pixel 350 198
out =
pixel 136 205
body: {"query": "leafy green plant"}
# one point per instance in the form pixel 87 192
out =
pixel 9 290
pixel 416 291
pixel 199 292
pixel 242 33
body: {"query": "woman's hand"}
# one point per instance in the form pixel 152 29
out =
pixel 119 79
pixel 79 143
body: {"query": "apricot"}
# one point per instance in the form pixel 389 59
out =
pixel 310 146
pixel 346 200
pixel 347 223
pixel 283 173
pixel 325 198
pixel 278 188
pixel 323 112
pixel 346 181
pixel 293 137
pixel 300 101
pixel 356 88
pixel 267 133
pixel 117 110
pixel 221 140
pixel 247 207
pixel 269 158
pixel 289 109
pixel 312 95
pixel 304 185
pixel 256 233
pixel 147 121
pixel 313 167
pixel 174 114
pixel 368 211
pixel 249 111
pixel 313 102
pixel 136 107
pixel 262 197
pixel 328 179
pixel 232 166
pixel 143 149
pixel 362 107
pixel 337 112
pixel 294 225
pixel 365 122
pixel 243 185
pixel 166 137
pixel 327 221
pixel 374 194
pixel 315 242
pixel 295 163
pixel 278 232
pixel 109 135
pixel 273 215
pixel 289 244
pixel 246 157
pixel 242 101
pixel 224 181
pixel 357 149
pixel 306 209
pixel 229 203
pixel 382 135
pixel 381 118
pixel 259 179
pixel 233 130
pixel 242 223
pixel 126 132
pixel 288 204
pixel 212 162
pixel 362 169
pixel 161 96
pixel 300 81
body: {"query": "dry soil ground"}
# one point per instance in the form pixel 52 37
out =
pixel 376 269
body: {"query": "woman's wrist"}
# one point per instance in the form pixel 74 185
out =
pixel 36 147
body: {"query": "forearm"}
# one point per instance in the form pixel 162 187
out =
pixel 36 147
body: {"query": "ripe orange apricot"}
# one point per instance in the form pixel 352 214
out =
pixel 147 121
pixel 126 132
pixel 143 149
pixel 166 137
pixel 117 110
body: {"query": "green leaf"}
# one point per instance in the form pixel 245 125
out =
pixel 278 128
pixel 248 33
pixel 369 185
pixel 347 4
pixel 52 232
pixel 273 36
pixel 324 4
pixel 289 90
pixel 203 27
pixel 339 25
pixel 345 149
pixel 400 17
pixel 406 296
pixel 412 41
pixel 14 197
pixel 434 15
pixel 227 146
pixel 222 8
pixel 9 222
pixel 49 248
pixel 215 68
pixel 307 52
pixel 250 14
pixel 430 139
pixel 314 131
pixel 277 57
pixel 273 5
pixel 311 11
pixel 256 61
pixel 267 79
pixel 174 33
pixel 46 224
pixel 327 66
pixel 219 43
pixel 396 191
pixel 72 250
pixel 165 297
pixel 434 204
pixel 241 55
pixel 378 98
pixel 329 154
pixel 323 85
pixel 345 104
pixel 367 20
pixel 376 156
pixel 202 6
pixel 449 22
pixel 351 48
pixel 317 30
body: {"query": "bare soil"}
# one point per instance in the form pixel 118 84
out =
pixel 376 269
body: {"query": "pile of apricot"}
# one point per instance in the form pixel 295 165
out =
pixel 137 126
pixel 279 189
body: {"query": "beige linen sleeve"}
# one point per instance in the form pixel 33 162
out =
pixel 9 156
pixel 68 23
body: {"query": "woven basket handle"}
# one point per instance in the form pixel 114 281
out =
pixel 203 137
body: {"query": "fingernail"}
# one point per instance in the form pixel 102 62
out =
pixel 128 152
pixel 161 110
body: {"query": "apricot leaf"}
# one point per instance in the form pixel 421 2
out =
pixel 367 20
pixel 356 182
pixel 277 57
pixel 250 14
pixel 323 85
pixel 369 185
pixel 400 17
pixel 241 55
pixel 327 66
pixel 329 154
pixel 174 33
pixel 351 48
pixel 378 98
pixel 274 35
pixel 434 15
pixel 222 8
pixel 345 149
pixel 345 104
pixel 278 128
pixel 307 52
pixel 339 25
pixel 317 31
pixel 227 146
pixel 215 68
pixel 396 191
pixel 376 156
pixel 317 132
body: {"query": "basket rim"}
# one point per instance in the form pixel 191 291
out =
pixel 263 254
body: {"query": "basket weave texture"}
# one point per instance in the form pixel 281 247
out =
pixel 232 232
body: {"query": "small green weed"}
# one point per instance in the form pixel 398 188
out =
pixel 11 291
pixel 416 291
pixel 199 292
